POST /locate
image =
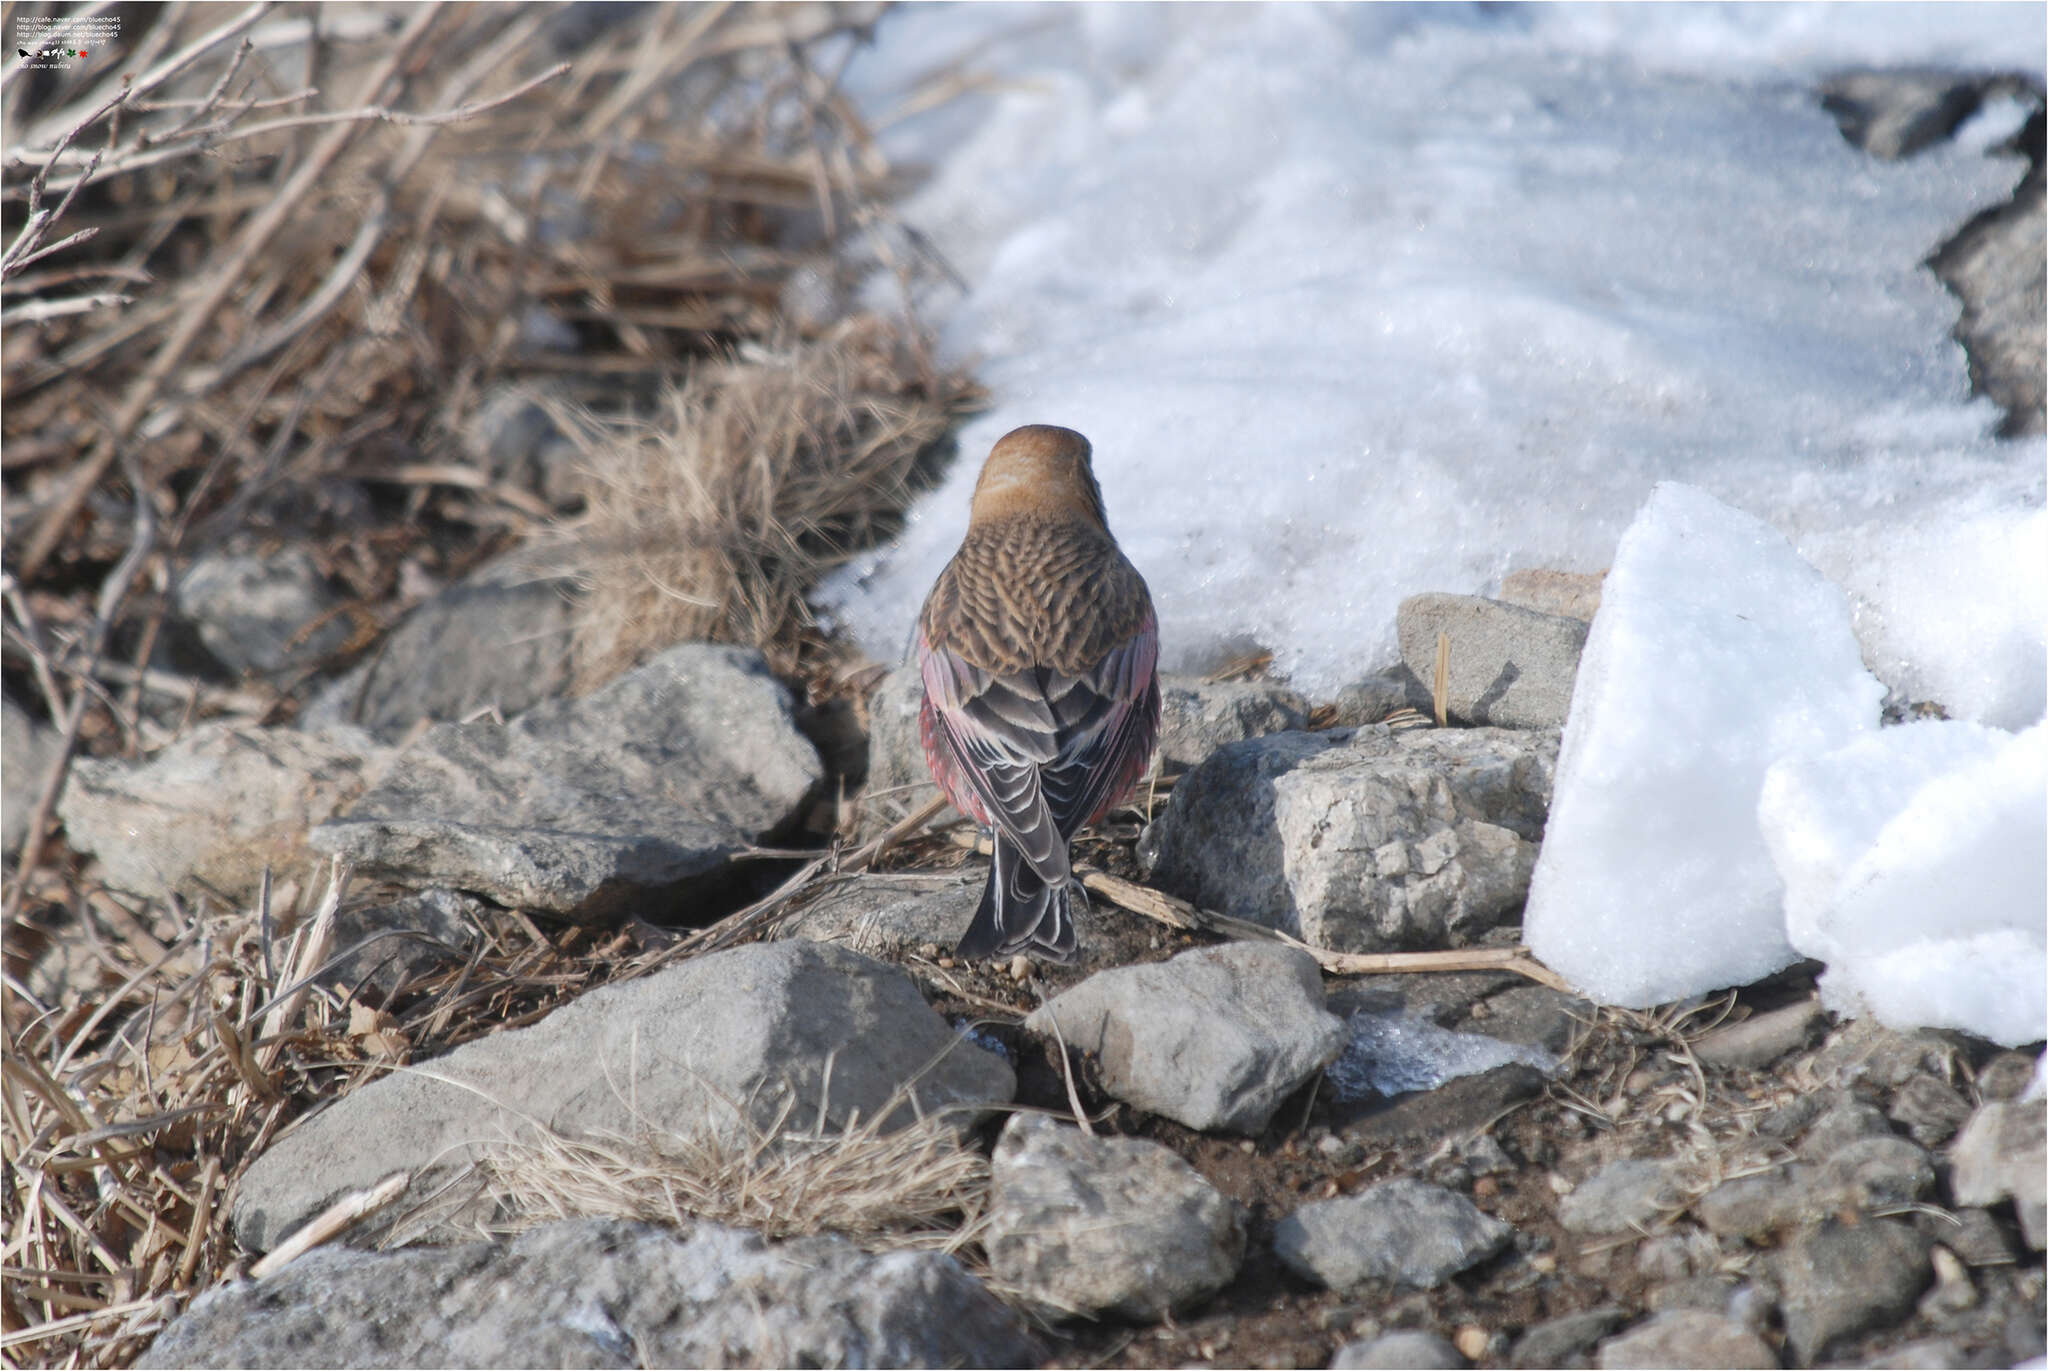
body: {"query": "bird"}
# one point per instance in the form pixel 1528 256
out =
pixel 1039 650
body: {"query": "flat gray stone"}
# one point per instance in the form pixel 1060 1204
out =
pixel 1865 1052
pixel 1755 1207
pixel 387 944
pixel 1569 594
pixel 1100 1225
pixel 212 810
pixel 709 1051
pixel 1404 1232
pixel 578 806
pixel 496 643
pixel 263 614
pixel 1621 1197
pixel 1415 1348
pixel 2002 1153
pixel 1196 716
pixel 1565 1339
pixel 1762 1038
pixel 28 748
pixel 1878 1172
pixel 588 1293
pixel 1896 112
pixel 1840 1280
pixel 1930 1110
pixel 1215 1038
pixel 897 774
pixel 1367 840
pixel 1687 1338
pixel 1837 1127
pixel 1371 699
pixel 1510 667
pixel 887 916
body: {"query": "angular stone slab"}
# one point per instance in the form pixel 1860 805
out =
pixel 210 811
pixel 1214 1039
pixel 1196 716
pixel 1368 841
pixel 887 916
pixel 1510 667
pixel 599 1294
pixel 683 1052
pixel 1097 1225
pixel 499 640
pixel 1405 1232
pixel 576 805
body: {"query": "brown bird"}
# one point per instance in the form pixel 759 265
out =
pixel 1039 651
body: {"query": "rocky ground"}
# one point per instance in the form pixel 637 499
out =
pixel 1179 1150
pixel 620 1028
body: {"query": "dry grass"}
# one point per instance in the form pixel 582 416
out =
pixel 257 295
pixel 916 1187
pixel 715 518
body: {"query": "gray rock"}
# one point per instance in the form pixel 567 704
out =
pixel 709 1052
pixel 1389 1053
pixel 1971 1233
pixel 213 809
pixel 600 1294
pixel 887 916
pixel 1534 1016
pixel 513 437
pixel 2006 1076
pixel 576 807
pixel 897 774
pixel 1392 1351
pixel 1571 594
pixel 1896 112
pixel 1755 1207
pixel 1372 699
pixel 497 643
pixel 28 748
pixel 1215 1038
pixel 1098 1225
pixel 1621 1197
pixel 1763 1038
pixel 1196 716
pixel 1687 1338
pixel 1510 667
pixel 1841 1125
pixel 2002 1153
pixel 1928 1109
pixel 1457 1106
pixel 1405 1232
pixel 1840 1280
pixel 1564 1340
pixel 1877 1172
pixel 387 944
pixel 1865 1052
pixel 1995 265
pixel 263 614
pixel 1925 1354
pixel 1370 840
pixel 1709 1292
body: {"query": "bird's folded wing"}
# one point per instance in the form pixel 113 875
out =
pixel 1114 713
pixel 999 730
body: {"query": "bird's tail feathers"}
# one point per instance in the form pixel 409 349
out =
pixel 1020 912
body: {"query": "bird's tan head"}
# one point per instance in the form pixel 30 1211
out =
pixel 1038 469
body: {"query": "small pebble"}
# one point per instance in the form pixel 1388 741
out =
pixel 946 963
pixel 1330 1145
pixel 1020 968
pixel 1559 1185
pixel 928 950
pixel 1471 1341
pixel 1247 1146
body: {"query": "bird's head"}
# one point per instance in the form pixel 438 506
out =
pixel 1038 469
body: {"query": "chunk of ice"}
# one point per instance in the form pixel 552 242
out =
pixel 1915 862
pixel 1397 1051
pixel 1717 650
